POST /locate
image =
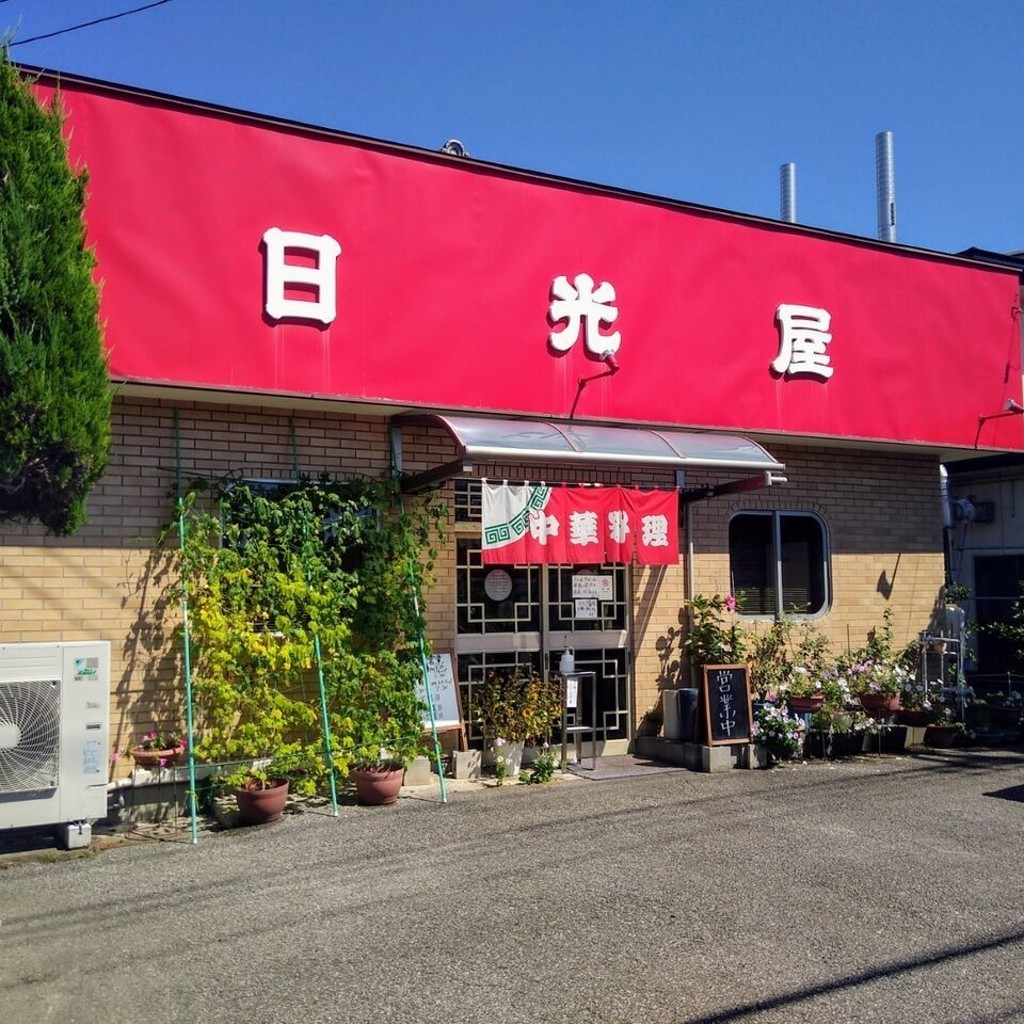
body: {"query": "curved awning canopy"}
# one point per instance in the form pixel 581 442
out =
pixel 494 438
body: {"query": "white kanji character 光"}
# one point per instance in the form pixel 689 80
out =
pixel 582 303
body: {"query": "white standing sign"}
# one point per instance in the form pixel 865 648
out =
pixel 443 692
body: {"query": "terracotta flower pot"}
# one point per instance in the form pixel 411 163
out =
pixel 259 806
pixel 155 758
pixel 378 786
pixel 875 703
pixel 916 717
pixel 806 705
pixel 941 736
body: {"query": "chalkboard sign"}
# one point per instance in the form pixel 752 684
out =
pixel 726 699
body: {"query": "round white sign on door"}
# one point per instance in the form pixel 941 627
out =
pixel 497 585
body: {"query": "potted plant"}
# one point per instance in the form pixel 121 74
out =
pixel 260 792
pixel 159 748
pixel 877 673
pixel 384 722
pixel 876 685
pixel 810 680
pixel 837 733
pixel 710 639
pixel 512 707
pixel 944 729
pixel 780 733
pixel 915 703
pixel 769 661
pixel 997 715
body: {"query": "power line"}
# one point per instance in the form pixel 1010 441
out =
pixel 87 24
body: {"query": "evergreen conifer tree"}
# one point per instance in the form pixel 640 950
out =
pixel 55 394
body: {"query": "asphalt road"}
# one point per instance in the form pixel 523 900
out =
pixel 883 890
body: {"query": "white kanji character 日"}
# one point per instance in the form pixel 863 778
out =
pixel 654 531
pixel 280 274
pixel 583 528
pixel 579 304
pixel 803 341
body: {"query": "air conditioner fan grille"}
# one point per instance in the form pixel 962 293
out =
pixel 29 735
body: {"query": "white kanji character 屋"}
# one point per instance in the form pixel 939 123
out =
pixel 803 341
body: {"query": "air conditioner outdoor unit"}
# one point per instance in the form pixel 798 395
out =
pixel 54 737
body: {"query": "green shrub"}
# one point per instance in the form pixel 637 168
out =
pixel 54 390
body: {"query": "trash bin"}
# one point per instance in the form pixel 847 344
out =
pixel 687 714
pixel 679 709
pixel 670 714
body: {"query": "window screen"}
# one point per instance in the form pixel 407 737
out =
pixel 778 563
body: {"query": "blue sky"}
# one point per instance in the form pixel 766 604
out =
pixel 699 101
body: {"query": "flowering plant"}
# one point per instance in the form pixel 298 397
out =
pixel 1013 699
pixel 800 683
pixel 516 705
pixel 162 739
pixel 846 721
pixel 881 677
pixel 781 733
pixel 914 695
pixel 879 667
pixel 709 641
pixel 543 768
pixel 945 717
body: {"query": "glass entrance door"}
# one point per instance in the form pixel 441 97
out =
pixel 529 615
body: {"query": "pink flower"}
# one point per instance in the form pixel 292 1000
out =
pixel 730 603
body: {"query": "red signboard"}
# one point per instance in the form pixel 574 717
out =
pixel 432 281
pixel 540 525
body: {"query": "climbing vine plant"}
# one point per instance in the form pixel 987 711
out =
pixel 275 575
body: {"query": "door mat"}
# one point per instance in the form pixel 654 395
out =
pixel 621 766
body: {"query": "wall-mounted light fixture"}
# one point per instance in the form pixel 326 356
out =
pixel 1011 408
pixel 609 360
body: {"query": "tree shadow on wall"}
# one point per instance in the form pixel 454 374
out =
pixel 150 692
pixel 670 654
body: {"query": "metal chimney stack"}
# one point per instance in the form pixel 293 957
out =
pixel 787 192
pixel 886 178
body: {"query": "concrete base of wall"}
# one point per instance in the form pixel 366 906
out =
pixel 698 757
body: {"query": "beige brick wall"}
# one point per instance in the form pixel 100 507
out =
pixel 110 581
pixel 883 515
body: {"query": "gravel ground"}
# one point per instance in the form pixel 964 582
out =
pixel 874 890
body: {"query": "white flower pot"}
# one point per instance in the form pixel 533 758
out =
pixel 512 755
